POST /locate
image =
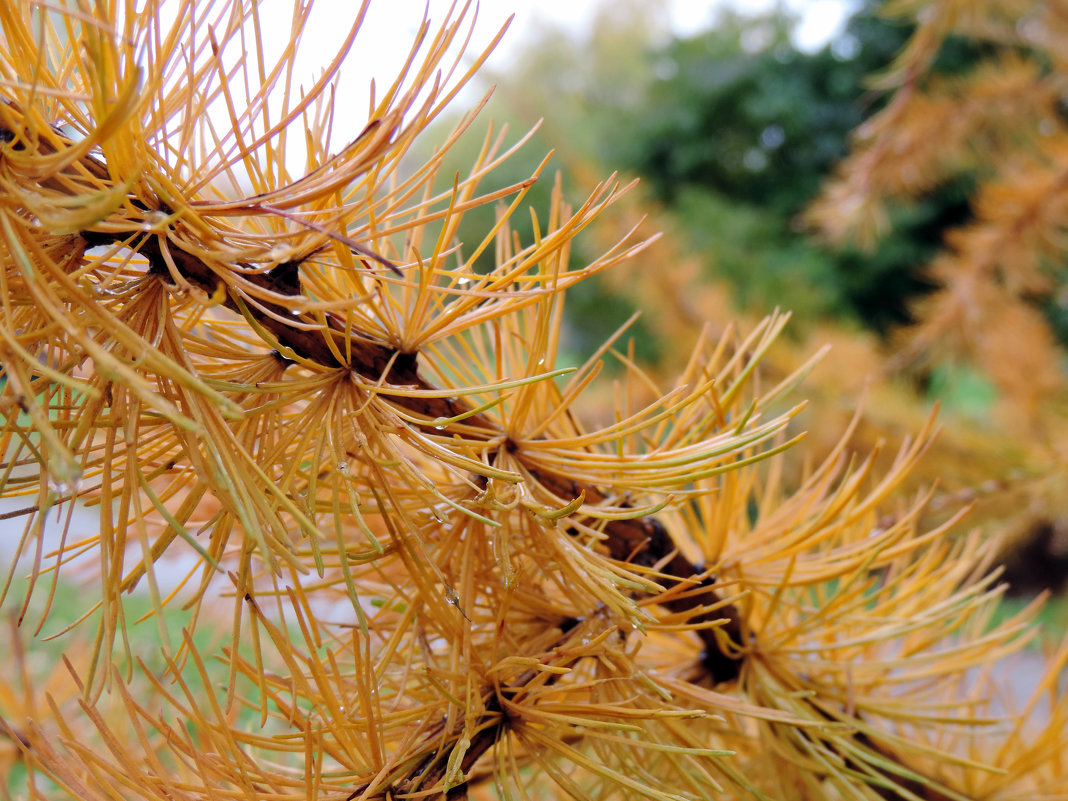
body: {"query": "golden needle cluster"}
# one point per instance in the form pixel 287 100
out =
pixel 414 566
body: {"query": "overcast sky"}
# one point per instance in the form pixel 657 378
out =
pixel 394 21
pixel 820 19
pixel 388 31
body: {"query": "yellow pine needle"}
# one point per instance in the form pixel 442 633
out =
pixel 421 597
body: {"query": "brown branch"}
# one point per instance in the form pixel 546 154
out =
pixel 428 771
pixel 641 541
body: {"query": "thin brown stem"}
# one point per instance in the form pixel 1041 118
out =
pixel 640 541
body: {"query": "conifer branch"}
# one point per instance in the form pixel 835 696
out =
pixel 643 541
pixel 434 565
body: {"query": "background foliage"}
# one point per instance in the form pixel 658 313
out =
pixel 735 133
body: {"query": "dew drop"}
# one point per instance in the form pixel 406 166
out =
pixel 153 220
pixel 113 290
pixel 280 253
pixel 64 489
pixel 452 596
pixel 67 485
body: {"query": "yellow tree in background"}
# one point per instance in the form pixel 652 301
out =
pixel 1002 122
pixel 1000 277
pixel 412 563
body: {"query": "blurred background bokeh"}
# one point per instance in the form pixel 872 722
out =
pixel 898 185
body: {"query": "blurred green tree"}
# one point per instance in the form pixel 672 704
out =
pixel 741 116
pixel 733 131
